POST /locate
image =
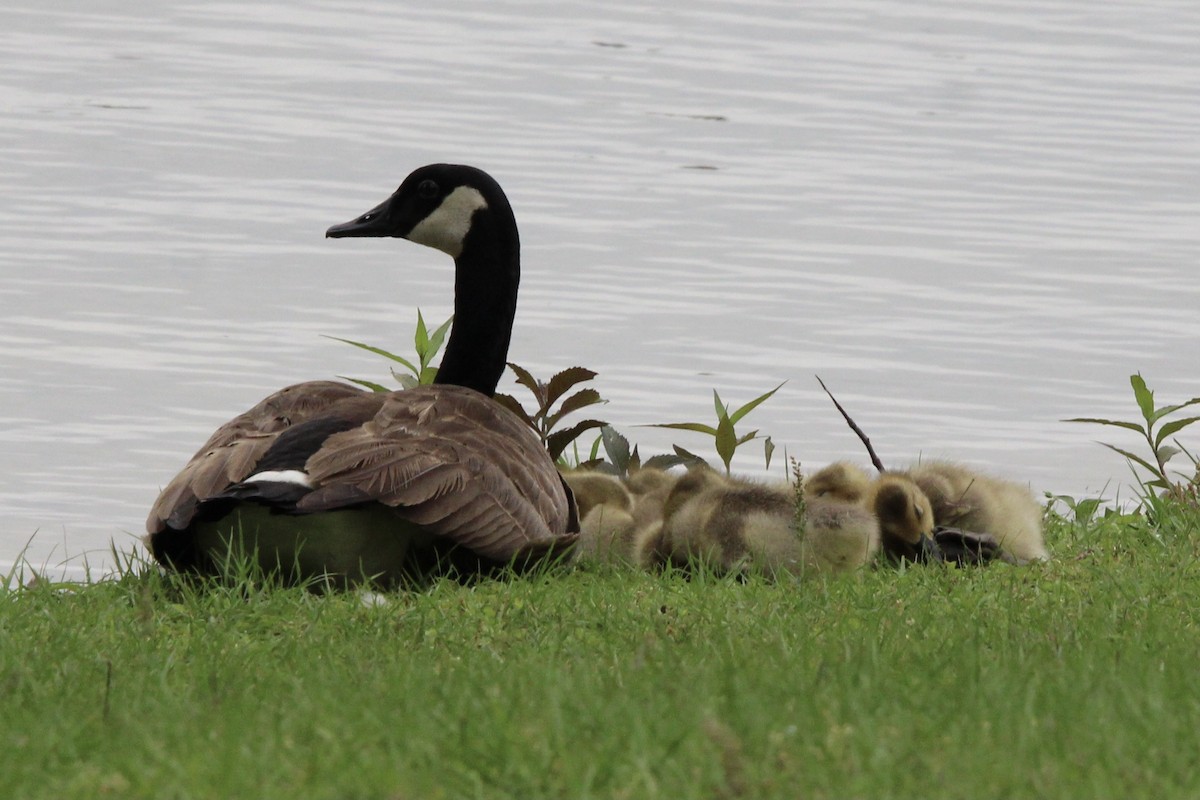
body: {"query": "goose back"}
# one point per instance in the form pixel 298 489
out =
pixel 444 458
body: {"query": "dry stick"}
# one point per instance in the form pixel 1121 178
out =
pixel 854 427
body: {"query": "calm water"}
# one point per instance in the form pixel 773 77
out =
pixel 971 223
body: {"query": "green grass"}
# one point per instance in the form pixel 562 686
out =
pixel 1071 679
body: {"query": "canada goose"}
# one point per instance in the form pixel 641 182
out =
pixel 736 526
pixel 964 498
pixel 324 479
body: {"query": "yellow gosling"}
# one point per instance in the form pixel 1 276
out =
pixel 965 498
pixel 841 480
pixel 906 518
pixel 593 489
pixel 738 526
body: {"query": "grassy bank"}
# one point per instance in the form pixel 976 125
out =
pixel 1071 679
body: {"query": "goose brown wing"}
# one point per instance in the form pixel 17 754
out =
pixel 231 453
pixel 453 461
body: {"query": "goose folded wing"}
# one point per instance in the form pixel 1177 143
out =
pixel 232 452
pixel 463 468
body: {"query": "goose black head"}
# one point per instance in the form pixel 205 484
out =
pixel 436 206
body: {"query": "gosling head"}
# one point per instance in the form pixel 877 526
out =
pixel 905 518
pixel 838 481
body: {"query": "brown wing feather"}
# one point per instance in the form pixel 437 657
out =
pixel 447 458
pixel 231 452
pixel 453 461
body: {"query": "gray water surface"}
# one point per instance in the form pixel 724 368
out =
pixel 972 220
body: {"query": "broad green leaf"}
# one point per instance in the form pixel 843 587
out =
pixel 428 375
pixel 558 441
pixel 1145 397
pixel 1165 410
pixel 726 441
pixel 743 439
pixel 698 427
pixel 753 404
pixel 437 337
pixel 1086 509
pixel 403 378
pixel 768 450
pixel 616 446
pixel 374 387
pixel 1133 426
pixel 1172 427
pixel 722 409
pixel 1166 453
pixel 526 380
pixel 421 336
pixel 377 351
pixel 1153 470
pixel 562 381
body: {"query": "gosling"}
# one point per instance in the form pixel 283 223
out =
pixel 738 526
pixel 964 498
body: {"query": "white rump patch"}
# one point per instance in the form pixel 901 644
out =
pixel 296 476
pixel 447 225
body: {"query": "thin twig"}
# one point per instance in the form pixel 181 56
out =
pixel 854 427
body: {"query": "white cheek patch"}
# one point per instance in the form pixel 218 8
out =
pixel 298 477
pixel 446 227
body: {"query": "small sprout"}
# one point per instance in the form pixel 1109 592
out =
pixel 724 435
pixel 427 345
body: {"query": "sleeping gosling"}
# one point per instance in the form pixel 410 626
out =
pixel 739 526
pixel 841 480
pixel 905 517
pixel 621 522
pixel 605 521
pixel 964 498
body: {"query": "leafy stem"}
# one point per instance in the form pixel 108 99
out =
pixel 425 344
pixel 724 434
pixel 1156 438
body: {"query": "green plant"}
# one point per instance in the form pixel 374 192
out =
pixel 1082 511
pixel 798 488
pixel 545 418
pixel 621 460
pixel 1160 452
pixel 724 435
pixel 426 345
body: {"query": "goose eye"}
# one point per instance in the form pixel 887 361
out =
pixel 427 189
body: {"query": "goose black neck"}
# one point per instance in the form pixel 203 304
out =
pixel 487 273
